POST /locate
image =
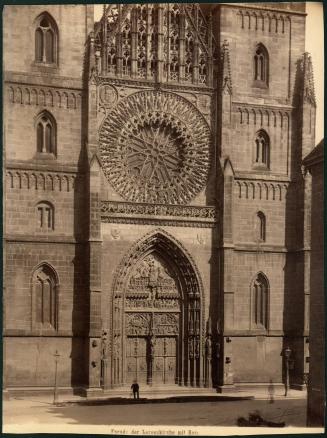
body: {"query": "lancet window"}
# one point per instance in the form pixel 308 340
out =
pixel 46 40
pixel 46 133
pixel 261 65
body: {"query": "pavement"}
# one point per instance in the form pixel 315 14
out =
pixel 187 413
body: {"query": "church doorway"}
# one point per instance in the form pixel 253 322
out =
pixel 153 321
pixel 157 327
pixel 152 364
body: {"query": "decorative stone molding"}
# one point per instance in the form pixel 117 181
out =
pixel 160 222
pixel 156 147
pixel 176 215
pixel 262 116
pixel 115 207
pixel 145 84
pixel 108 96
pixel 36 180
pixel 268 191
pixel 44 97
pixel 263 21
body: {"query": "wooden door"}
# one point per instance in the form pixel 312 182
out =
pixel 164 361
pixel 136 360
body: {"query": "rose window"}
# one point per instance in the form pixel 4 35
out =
pixel 155 148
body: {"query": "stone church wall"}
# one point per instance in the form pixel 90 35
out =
pixel 19 26
pixel 212 227
pixel 59 180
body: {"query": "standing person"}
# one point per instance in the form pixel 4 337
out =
pixel 135 388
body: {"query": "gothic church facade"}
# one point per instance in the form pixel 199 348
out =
pixel 156 215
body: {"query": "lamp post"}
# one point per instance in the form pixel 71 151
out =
pixel 287 355
pixel 55 391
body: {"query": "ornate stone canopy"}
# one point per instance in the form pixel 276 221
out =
pixel 155 147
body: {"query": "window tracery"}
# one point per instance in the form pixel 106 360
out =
pixel 164 42
pixel 46 40
pixel 46 134
pixel 159 153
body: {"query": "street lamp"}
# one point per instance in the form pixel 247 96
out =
pixel 287 355
pixel 55 390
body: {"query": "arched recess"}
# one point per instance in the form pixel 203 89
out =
pixel 261 65
pixel 45 291
pixel 157 315
pixel 260 297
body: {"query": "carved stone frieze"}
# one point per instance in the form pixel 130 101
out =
pixel 141 324
pixel 166 323
pixel 129 208
pixel 129 212
pixel 138 323
pixel 162 304
pixel 151 285
pixel 155 147
pixel 152 276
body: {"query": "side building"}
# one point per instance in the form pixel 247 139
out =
pixel 314 166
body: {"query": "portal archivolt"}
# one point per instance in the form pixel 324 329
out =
pixel 157 315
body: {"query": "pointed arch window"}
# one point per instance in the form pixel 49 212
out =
pixel 46 40
pixel 261 65
pixel 260 290
pixel 46 134
pixel 44 298
pixel 261 227
pixel 262 150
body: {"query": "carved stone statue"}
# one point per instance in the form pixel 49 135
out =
pixel 209 347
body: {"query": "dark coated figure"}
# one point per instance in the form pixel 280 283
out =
pixel 136 390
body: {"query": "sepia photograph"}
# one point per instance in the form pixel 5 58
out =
pixel 163 234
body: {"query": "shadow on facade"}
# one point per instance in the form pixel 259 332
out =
pixel 216 284
pixel 81 298
pixel 294 306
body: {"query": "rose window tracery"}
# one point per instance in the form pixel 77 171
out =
pixel 155 147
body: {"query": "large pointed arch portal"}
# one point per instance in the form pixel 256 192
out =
pixel 157 318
